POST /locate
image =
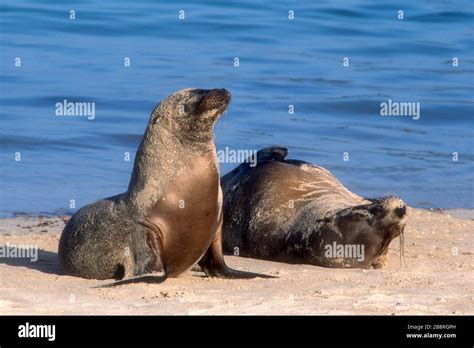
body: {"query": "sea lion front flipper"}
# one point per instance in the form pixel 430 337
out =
pixel 213 264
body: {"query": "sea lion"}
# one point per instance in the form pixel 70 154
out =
pixel 296 212
pixel 170 218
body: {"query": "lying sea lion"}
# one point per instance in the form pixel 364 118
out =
pixel 170 218
pixel 296 212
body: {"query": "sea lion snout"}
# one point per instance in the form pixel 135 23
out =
pixel 184 108
pixel 214 101
pixel 400 211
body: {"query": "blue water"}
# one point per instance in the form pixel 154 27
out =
pixel 282 62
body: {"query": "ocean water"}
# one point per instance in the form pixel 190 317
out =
pixel 282 62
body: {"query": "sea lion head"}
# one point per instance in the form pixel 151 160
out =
pixel 386 217
pixel 374 225
pixel 191 114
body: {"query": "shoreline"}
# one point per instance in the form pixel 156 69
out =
pixel 436 280
pixel 460 213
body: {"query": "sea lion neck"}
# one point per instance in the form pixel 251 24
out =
pixel 161 156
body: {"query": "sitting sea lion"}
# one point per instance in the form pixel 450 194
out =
pixel 170 218
pixel 296 212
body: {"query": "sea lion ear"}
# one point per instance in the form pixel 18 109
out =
pixel 274 152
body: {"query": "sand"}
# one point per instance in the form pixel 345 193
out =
pixel 438 279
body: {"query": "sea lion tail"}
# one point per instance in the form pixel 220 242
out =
pixel 149 278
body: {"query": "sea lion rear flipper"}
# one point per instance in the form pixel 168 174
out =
pixel 213 264
pixel 274 152
pixel 154 241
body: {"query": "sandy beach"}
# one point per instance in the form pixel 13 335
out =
pixel 438 279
